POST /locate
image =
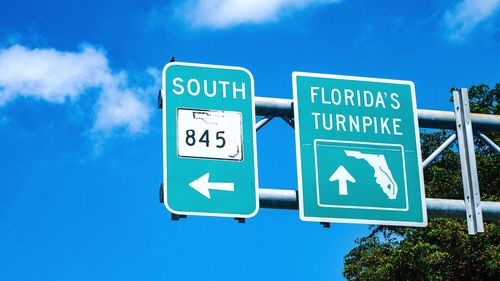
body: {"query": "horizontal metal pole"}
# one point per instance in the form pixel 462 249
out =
pixel 443 208
pixel 278 199
pixel 273 106
pixel 426 118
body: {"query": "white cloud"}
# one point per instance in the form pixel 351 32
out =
pixel 57 76
pixel 122 106
pixel 49 74
pixel 228 13
pixel 466 15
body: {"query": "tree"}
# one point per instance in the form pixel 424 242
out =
pixel 443 250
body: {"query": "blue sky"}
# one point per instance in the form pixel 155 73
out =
pixel 80 137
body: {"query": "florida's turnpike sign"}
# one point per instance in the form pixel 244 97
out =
pixel 357 145
pixel 358 150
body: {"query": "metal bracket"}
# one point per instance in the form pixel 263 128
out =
pixel 160 100
pixel 262 122
pixel 161 193
pixel 240 220
pixel 289 121
pixel 439 150
pixel 488 141
pixel 176 217
pixel 468 162
pixel 325 224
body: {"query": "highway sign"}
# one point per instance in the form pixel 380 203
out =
pixel 209 151
pixel 358 150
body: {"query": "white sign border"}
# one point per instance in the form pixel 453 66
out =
pixel 164 129
pixel 295 75
pixel 360 207
pixel 211 158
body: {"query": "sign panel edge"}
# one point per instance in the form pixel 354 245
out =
pixel 254 144
pixel 411 84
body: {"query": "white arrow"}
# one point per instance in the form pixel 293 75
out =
pixel 342 175
pixel 202 185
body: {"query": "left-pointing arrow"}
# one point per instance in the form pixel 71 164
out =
pixel 203 186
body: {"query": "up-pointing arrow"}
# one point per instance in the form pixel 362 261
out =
pixel 342 175
pixel 202 185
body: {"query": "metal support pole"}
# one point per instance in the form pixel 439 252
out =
pixel 287 199
pixel 278 199
pixel 439 150
pixel 490 142
pixel 273 106
pixel 435 119
pixel 438 119
pixel 262 122
pixel 468 162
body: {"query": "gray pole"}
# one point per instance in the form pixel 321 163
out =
pixel 287 199
pixel 426 118
pixel 468 162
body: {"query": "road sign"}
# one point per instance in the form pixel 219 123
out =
pixel 358 150
pixel 209 151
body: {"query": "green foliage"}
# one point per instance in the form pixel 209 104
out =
pixel 483 99
pixel 443 250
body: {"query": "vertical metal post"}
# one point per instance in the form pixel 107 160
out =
pixel 468 162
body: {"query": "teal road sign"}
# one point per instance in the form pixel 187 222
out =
pixel 358 150
pixel 209 151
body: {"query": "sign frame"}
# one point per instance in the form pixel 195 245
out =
pixel 296 110
pixel 251 95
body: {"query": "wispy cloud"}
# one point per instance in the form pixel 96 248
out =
pixel 57 77
pixel 121 105
pixel 463 18
pixel 49 74
pixel 218 14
